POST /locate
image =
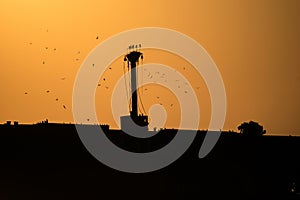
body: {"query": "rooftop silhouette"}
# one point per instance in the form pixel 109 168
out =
pixel 49 159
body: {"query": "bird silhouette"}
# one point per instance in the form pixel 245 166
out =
pixel 43 62
pixel 64 107
pixel 48 91
pixel 54 49
pixel 93 65
pixel 99 84
pixel 63 78
pixel 56 99
pixel 97 38
pixel 25 93
pixel 46 48
pixel 104 79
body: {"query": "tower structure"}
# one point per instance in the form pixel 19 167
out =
pixel 140 120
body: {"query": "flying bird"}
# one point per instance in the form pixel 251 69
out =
pixel 46 47
pixel 64 107
pixel 63 78
pixel 43 62
pixel 97 38
pixel 25 93
pixel 93 65
pixel 99 84
pixel 48 91
pixel 56 99
pixel 104 79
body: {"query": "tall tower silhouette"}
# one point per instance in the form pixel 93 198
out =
pixel 140 121
pixel 133 58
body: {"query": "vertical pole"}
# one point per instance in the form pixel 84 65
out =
pixel 134 112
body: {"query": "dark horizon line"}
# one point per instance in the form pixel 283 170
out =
pixel 46 122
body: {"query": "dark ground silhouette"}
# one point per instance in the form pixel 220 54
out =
pixel 48 161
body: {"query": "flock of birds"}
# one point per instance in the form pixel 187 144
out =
pixel 149 75
pixel 63 78
pixel 163 76
pixel 180 84
pixel 104 79
pixel 56 99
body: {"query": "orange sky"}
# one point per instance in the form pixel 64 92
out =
pixel 255 45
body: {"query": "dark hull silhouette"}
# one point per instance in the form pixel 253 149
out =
pixel 48 161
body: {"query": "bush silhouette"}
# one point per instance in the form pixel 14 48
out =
pixel 251 129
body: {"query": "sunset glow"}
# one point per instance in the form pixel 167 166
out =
pixel 255 45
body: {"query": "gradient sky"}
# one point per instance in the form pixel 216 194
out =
pixel 255 45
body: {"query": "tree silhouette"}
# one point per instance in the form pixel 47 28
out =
pixel 251 129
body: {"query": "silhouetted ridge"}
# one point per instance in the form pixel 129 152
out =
pixel 48 161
